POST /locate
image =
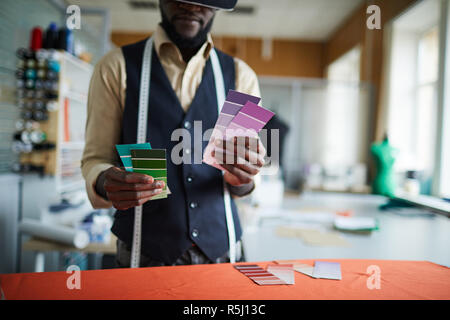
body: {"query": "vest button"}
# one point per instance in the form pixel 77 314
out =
pixel 193 205
pixel 189 179
pixel 187 125
pixel 187 151
pixel 194 233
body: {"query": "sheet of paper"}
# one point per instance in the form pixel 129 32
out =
pixel 153 163
pixel 323 238
pixel 283 271
pixel 355 223
pixel 124 151
pixel 327 270
pixel 314 237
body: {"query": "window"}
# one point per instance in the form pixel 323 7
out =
pixel 412 93
pixel 342 114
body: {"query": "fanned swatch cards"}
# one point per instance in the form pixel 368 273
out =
pixel 240 116
pixel 275 274
pixel 141 158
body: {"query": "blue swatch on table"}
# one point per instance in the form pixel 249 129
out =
pixel 327 270
pixel 124 151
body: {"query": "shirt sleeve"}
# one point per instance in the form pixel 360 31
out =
pixel 104 121
pixel 246 79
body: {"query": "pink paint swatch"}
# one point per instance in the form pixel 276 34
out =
pixel 265 277
pixel 240 116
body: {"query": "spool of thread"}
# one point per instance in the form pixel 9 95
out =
pixel 37 136
pixel 20 125
pixel 51 95
pixel 39 105
pixel 36 39
pixel 62 39
pixel 39 94
pixel 52 75
pixel 20 53
pixel 40 116
pixel 65 39
pixel 44 146
pixel 27 114
pixel 41 73
pixel 41 63
pixel 69 37
pixel 51 37
pixel 38 85
pixel 30 74
pixel 30 95
pixel 20 83
pixel 29 104
pixel 52 106
pixel 42 54
pixel 21 147
pixel 20 64
pixel 29 84
pixel 20 74
pixel 53 65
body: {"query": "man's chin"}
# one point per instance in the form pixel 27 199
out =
pixel 187 33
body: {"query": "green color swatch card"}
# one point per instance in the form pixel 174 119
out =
pixel 124 151
pixel 153 163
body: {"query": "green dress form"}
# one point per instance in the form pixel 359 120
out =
pixel 384 183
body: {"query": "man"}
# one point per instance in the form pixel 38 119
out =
pixel 188 227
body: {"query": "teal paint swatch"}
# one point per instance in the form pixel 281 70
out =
pixel 124 151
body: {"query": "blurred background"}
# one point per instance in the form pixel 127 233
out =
pixel 339 88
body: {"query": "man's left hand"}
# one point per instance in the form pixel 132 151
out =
pixel 241 157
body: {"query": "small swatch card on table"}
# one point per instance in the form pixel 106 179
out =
pixel 320 270
pixel 249 115
pixel 276 274
pixel 153 163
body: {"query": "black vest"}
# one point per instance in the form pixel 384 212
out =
pixel 195 211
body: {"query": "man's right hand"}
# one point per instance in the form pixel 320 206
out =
pixel 127 189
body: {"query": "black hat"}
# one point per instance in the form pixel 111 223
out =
pixel 215 4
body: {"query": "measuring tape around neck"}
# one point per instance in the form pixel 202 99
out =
pixel 144 93
pixel 220 93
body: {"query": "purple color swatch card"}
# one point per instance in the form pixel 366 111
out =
pixel 234 102
pixel 252 117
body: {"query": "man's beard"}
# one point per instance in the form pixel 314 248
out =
pixel 183 42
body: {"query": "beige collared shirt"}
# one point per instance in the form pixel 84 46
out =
pixel 106 101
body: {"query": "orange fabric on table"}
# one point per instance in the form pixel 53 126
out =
pixel 399 280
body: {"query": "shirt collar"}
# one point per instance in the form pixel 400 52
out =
pixel 162 41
